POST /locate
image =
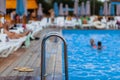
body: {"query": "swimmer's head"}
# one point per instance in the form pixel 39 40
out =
pixel 92 42
pixel 99 45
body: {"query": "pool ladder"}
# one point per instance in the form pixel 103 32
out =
pixel 43 62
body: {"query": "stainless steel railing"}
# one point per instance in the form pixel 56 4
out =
pixel 43 54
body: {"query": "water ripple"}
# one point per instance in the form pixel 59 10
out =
pixel 86 63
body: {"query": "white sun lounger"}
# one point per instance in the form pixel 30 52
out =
pixel 18 30
pixel 44 22
pixel 60 21
pixel 16 43
pixel 35 27
pixel 4 50
pixel 9 46
pixel 69 23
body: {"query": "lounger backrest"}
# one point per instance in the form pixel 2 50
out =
pixel 74 20
pixel 36 26
pixel 60 21
pixel 92 18
pixel 3 37
pixel 80 21
pixel 117 18
pixel 44 21
pixel 103 20
pixel 2 19
pixel 2 31
pixel 67 21
pixel 30 27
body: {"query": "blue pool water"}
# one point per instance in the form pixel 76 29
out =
pixel 87 63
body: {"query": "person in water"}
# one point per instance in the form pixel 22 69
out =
pixel 92 43
pixel 99 44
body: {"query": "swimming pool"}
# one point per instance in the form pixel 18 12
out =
pixel 87 63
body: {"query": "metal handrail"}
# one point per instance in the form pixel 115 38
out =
pixel 43 66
